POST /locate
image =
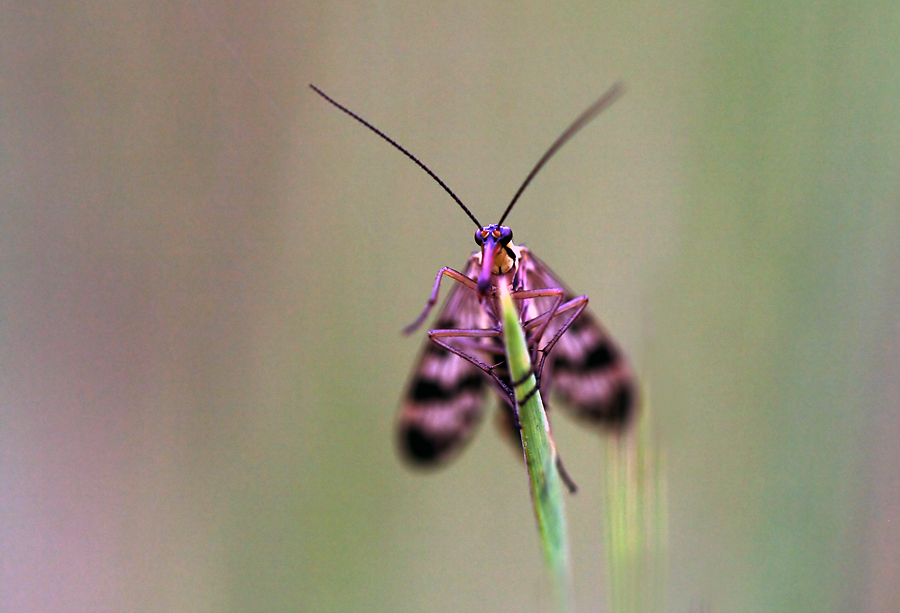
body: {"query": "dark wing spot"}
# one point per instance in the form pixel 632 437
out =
pixel 472 382
pixel 616 413
pixel 420 447
pixel 621 407
pixel 427 389
pixel 601 357
pixel 562 363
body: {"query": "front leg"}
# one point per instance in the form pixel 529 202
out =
pixel 453 274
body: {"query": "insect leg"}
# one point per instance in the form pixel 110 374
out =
pixel 453 274
pixel 465 334
pixel 437 335
pixel 578 304
pixel 564 475
pixel 555 292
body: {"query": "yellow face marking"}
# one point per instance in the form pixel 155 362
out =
pixel 502 262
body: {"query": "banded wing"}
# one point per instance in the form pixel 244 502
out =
pixel 586 367
pixel 446 394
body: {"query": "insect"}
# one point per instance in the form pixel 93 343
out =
pixel 464 356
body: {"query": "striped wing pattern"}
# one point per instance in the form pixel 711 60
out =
pixel 444 400
pixel 587 369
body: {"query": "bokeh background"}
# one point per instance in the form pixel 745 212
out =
pixel 204 270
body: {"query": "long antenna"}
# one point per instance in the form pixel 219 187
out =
pixel 604 101
pixel 402 150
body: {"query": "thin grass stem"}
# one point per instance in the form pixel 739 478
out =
pixel 636 521
pixel 540 455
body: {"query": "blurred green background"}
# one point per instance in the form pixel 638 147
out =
pixel 204 270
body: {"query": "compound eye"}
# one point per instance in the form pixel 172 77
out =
pixel 505 235
pixel 479 238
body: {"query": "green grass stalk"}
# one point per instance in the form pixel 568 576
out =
pixel 540 455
